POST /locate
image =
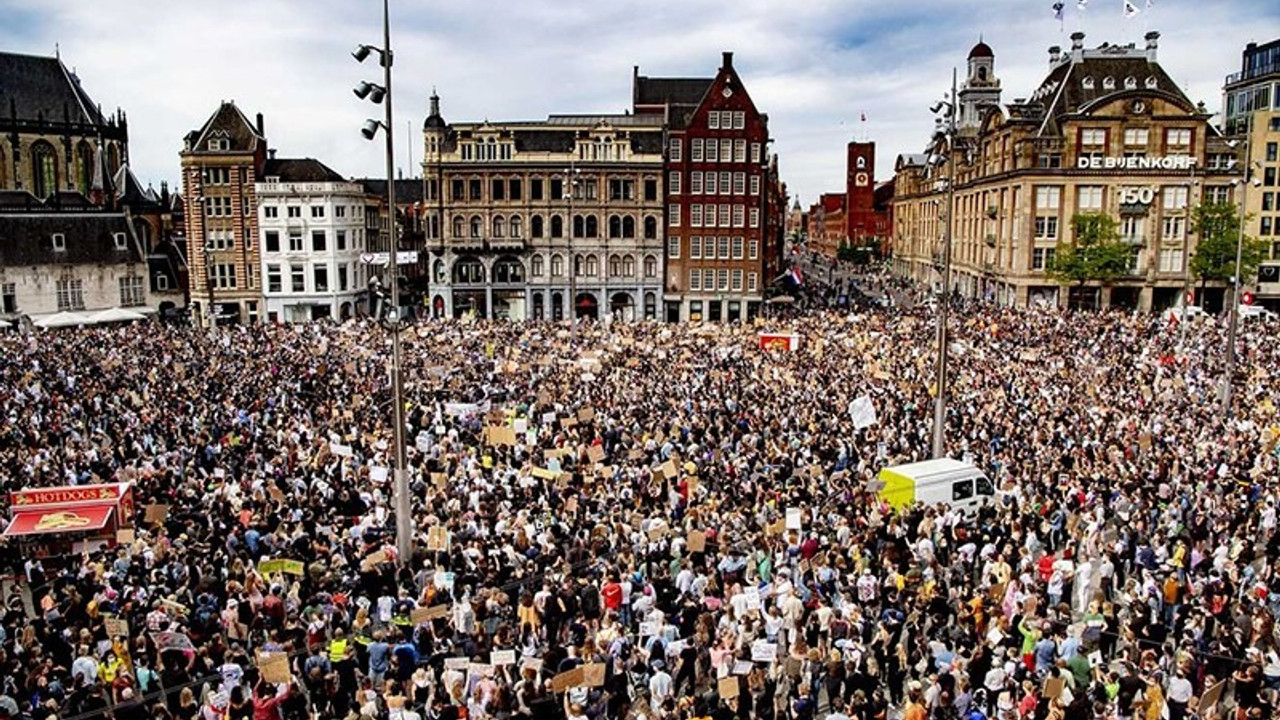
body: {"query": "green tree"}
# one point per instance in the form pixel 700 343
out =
pixel 1095 253
pixel 1215 259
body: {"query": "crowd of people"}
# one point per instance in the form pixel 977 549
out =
pixel 649 520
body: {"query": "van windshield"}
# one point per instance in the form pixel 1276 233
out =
pixel 984 486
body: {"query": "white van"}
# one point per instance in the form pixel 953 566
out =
pixel 958 484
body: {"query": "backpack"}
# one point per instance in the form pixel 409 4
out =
pixel 589 600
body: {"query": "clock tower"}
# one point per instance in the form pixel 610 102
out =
pixel 860 191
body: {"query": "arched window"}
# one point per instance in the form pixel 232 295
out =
pixel 515 226
pixel 438 271
pixel 578 266
pixel 650 266
pixel 508 270
pixel 650 228
pixel 579 226
pixel 557 226
pixel 457 226
pixel 628 227
pixel 84 166
pixel 593 226
pixel 4 167
pixel 113 160
pixel 468 270
pixel 557 265
pixel 593 266
pixel 615 266
pixel 628 266
pixel 44 170
pixel 536 266
pixel 615 226
pixel 535 226
pixel 477 226
pixel 499 226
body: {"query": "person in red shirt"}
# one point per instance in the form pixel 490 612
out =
pixel 268 707
pixel 611 594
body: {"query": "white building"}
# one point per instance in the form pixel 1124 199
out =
pixel 312 231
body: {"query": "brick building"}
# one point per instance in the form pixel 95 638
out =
pixel 726 208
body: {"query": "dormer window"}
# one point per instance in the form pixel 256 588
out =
pixel 1152 83
pixel 121 241
pixel 59 242
pixel 1131 83
pixel 217 144
pixel 1108 83
pixel 1087 83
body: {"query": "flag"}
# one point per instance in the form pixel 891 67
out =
pixel 1057 10
pixel 864 117
pixel 797 277
pixel 1130 9
pixel 1082 4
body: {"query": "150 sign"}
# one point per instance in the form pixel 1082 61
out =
pixel 1137 195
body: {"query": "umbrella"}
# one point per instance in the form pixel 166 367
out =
pixel 62 319
pixel 117 315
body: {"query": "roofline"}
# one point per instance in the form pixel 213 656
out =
pixel 75 89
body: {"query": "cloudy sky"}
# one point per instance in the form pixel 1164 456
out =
pixel 815 66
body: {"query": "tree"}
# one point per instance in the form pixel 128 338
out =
pixel 1095 253
pixel 1215 259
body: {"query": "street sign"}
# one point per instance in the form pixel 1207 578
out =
pixel 404 257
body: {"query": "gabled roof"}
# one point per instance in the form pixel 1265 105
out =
pixel 27 238
pixel 650 92
pixel 300 170
pixel 34 87
pixel 1095 75
pixel 230 124
pixel 130 192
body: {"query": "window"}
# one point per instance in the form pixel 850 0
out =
pixel 273 278
pixel 557 189
pixel 1135 137
pixel 271 240
pixel 1273 149
pixel 121 241
pixel 739 150
pixel 753 249
pixel 753 217
pixel 477 226
pixel 712 184
pixel 615 266
pixel 1175 197
pixel 722 279
pixel 695 182
pixel 713 120
pixel 131 294
pixel 709 215
pixel 755 153
pixel 737 281
pixel 695 248
pixel 1177 137
pixel 535 189
pixel 557 266
pixel 340 211
pixel 499 227
pixel 340 239
pixel 298 278
pixel 961 490
pixel 343 277
pixel 695 215
pixel 224 276
pixel 70 292
pixel 1217 194
pixel 1092 137
pixel 712 150
pixel 753 282
pixel 515 226
pixel 497 189
pixel 1089 198
pixel 723 244
pixel 317 211
pixel 318 241
pixel 295 241
pixel 624 189
pixel 674 148
pixel 724 215
pixel 217 176
pixel 320 274
pixel 650 189
pixel 508 270
pixel 1042 258
pixel 1048 197
pixel 593 266
pixel 739 183
pixel 468 270
pixel 557 226
pixel 1171 260
pixel 739 119
pixel 673 248
pixel 1174 227
pixel 536 226
pixel 650 266
pixel 1046 227
pixel 536 266
pixel 673 183
pixel 475 190
pixel 695 279
pixel 738 215
pixel 294 211
pixel 218 206
pixel 457 189
pixel 695 150
pixel 673 215
pixel 271 212
pixel 515 189
pixel 755 184
pixel 9 295
pixel 737 248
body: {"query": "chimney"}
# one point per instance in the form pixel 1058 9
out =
pixel 271 152
pixel 261 132
pixel 1055 54
pixel 1153 42
pixel 726 62
pixel 1077 46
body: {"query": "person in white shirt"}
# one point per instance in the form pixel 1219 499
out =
pixel 659 685
pixel 1178 694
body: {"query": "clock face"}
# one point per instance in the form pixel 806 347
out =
pixel 727 91
pixel 861 179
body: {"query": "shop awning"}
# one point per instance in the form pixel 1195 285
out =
pixel 55 519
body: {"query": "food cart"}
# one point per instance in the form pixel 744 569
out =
pixel 49 522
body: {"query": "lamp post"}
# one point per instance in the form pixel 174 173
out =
pixel 376 93
pixel 940 402
pixel 1229 368
pixel 571 185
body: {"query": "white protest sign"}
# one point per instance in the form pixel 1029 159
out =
pixel 764 651
pixel 503 657
pixel 862 412
pixel 793 518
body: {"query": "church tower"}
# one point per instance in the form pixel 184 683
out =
pixel 981 88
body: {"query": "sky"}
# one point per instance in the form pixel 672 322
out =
pixel 815 66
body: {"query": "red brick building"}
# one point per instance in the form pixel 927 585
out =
pixel 725 205
pixel 858 217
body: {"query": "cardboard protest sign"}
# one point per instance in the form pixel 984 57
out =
pixel 544 474
pixel 274 667
pixel 728 687
pixel 340 450
pixel 155 513
pixel 116 627
pixel 438 539
pixel 373 560
pixel 697 541
pixel 271 567
pixel 742 667
pixel 793 518
pixel 565 680
pixel 568 422
pixel 1212 696
pixel 125 536
pixel 586 414
pixel 595 453
pixel 168 640
pixel 764 651
pixel 669 469
pixel 501 435
pixel 1053 687
pixel 648 629
pixel 456 663
pixel 502 657
pixel 593 674
pixel 531 663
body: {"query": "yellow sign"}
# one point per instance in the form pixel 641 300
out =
pixel 61 521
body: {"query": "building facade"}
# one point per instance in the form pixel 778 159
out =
pixel 311 225
pixel 55 138
pixel 221 164
pixel 1251 113
pixel 725 207
pixel 1107 131
pixel 857 217
pixel 535 220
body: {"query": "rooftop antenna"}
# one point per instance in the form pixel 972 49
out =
pixel 57 51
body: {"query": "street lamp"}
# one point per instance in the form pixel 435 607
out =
pixel 1233 321
pixel 378 94
pixel 948 107
pixel 571 185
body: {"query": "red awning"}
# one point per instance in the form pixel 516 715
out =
pixel 58 519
